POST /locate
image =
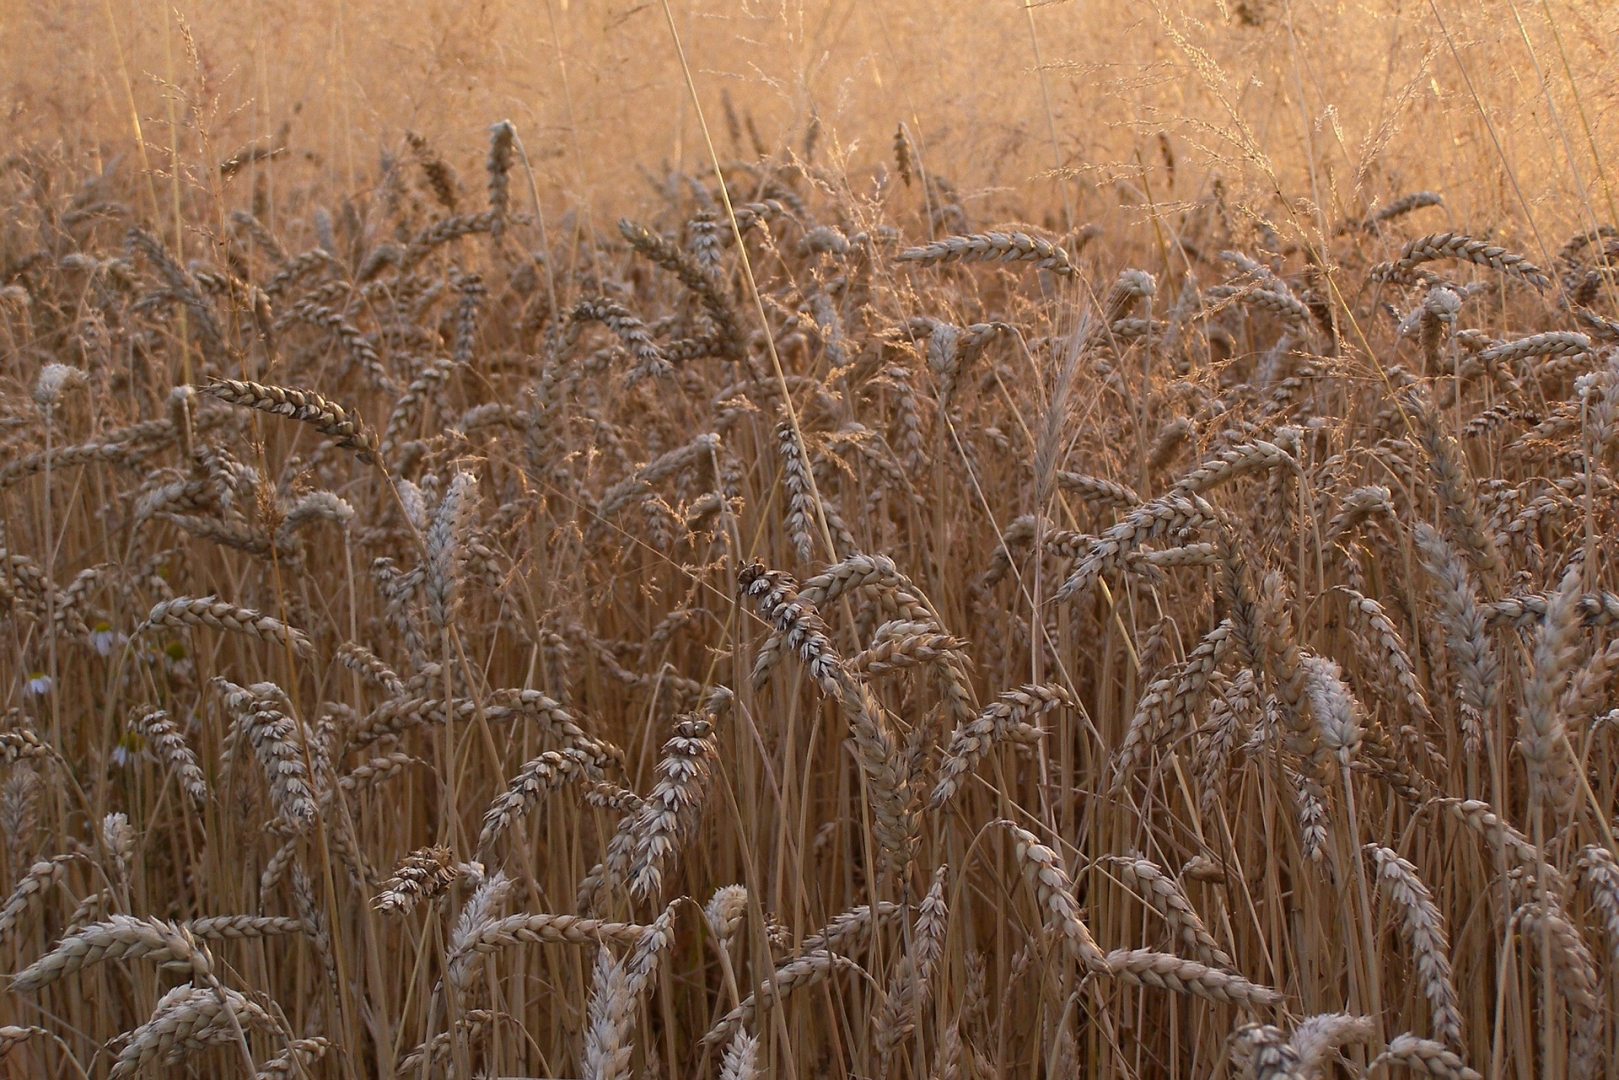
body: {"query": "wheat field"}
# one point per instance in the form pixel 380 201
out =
pixel 814 541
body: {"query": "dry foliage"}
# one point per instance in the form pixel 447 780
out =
pixel 806 630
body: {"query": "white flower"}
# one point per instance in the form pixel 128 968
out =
pixel 102 638
pixel 39 683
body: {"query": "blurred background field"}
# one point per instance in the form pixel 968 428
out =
pixel 1032 112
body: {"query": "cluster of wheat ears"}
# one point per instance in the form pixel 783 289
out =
pixel 769 640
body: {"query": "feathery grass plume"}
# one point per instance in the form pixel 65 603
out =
pixel 777 597
pixel 991 247
pixel 1425 1056
pixel 546 772
pixel 1165 971
pixel 970 743
pixel 306 406
pixel 120 937
pixel 1054 896
pixel 1338 716
pixel 669 815
pixel 1159 890
pixel 1424 929
pixel 210 611
pixel 169 746
pixel 419 877
pixel 1460 248
pixel 478 914
pixel 297 1060
pixel 1541 737
pixel 446 535
pixel 911 985
pixel 277 741
pixel 1465 632
pixel 1169 514
pixel 188 1019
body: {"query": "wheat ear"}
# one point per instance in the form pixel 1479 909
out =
pixel 1054 894
pixel 120 937
pixel 1425 1056
pixel 305 406
pixel 184 611
pixel 1424 929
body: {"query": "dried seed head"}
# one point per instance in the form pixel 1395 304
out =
pixel 420 876
pixel 55 380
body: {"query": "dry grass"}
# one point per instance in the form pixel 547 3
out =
pixel 825 626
